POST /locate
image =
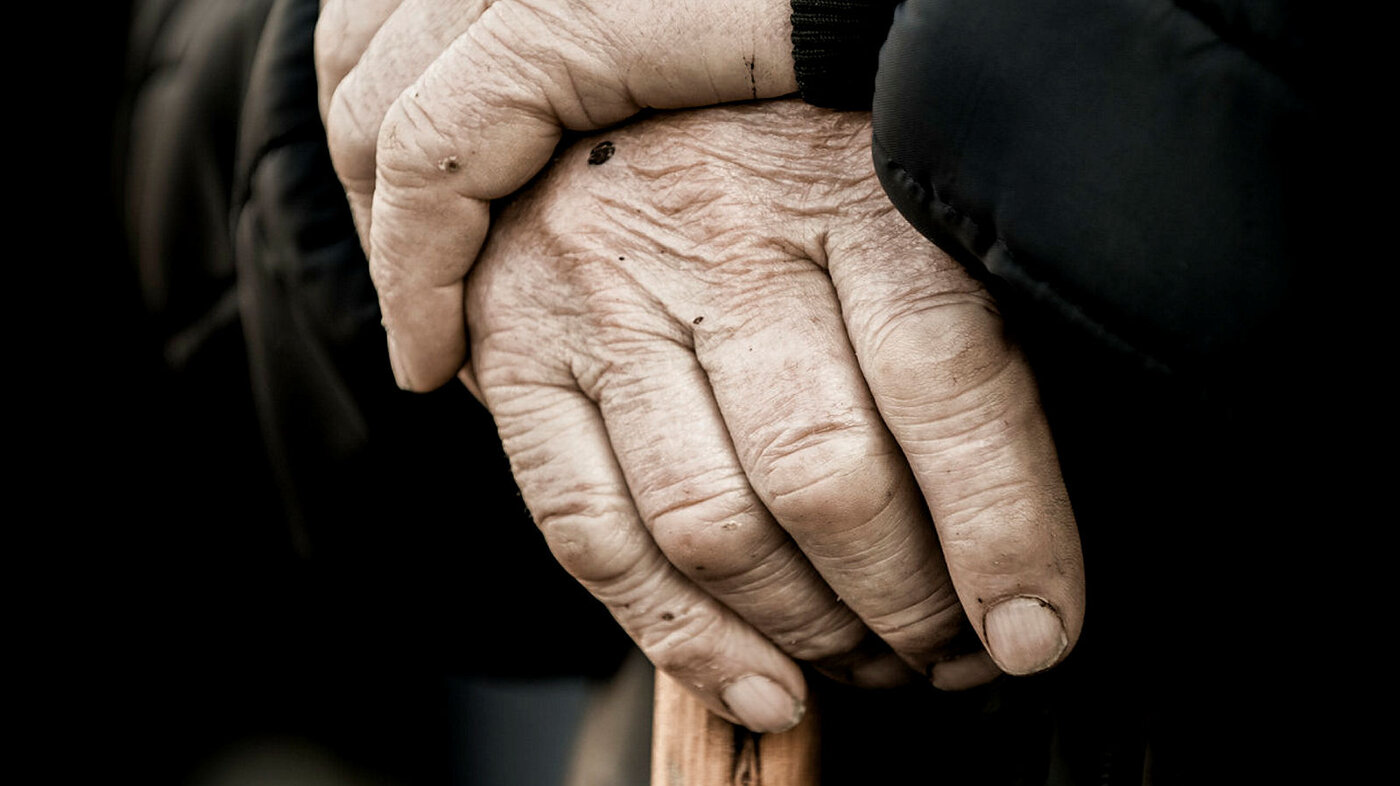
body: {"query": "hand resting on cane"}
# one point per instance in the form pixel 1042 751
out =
pixel 734 385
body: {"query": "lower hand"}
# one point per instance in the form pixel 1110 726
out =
pixel 734 384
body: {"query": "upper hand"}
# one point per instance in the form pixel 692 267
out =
pixel 435 107
pixel 734 383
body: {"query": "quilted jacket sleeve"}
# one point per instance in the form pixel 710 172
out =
pixel 1141 167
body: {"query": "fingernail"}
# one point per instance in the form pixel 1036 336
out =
pixel 761 704
pixel 400 374
pixel 1025 634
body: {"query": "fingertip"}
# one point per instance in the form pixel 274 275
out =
pixel 422 372
pixel 964 672
pixel 888 671
pixel 1025 634
pixel 885 670
pixel 762 705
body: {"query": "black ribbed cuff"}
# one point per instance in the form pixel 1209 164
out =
pixel 836 49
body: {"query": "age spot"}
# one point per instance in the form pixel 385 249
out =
pixel 449 164
pixel 600 153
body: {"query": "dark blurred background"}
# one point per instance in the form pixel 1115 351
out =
pixel 230 575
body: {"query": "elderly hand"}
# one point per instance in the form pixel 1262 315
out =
pixel 453 103
pixel 733 384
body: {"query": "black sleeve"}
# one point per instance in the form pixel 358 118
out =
pixel 1138 167
pixel 1143 168
pixel 1147 187
pixel 372 475
pixel 835 49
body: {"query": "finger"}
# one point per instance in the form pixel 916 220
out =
pixel 810 440
pixel 679 463
pixel 473 127
pixel 965 671
pixel 962 403
pixel 402 48
pixel 343 31
pixel 486 116
pixel 559 451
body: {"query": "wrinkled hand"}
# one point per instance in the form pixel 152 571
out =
pixel 729 378
pixel 435 107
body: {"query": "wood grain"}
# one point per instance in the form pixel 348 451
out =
pixel 693 747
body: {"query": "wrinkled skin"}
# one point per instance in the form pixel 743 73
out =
pixel 734 385
pixel 435 107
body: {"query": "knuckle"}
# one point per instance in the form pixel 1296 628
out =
pixel 938 351
pixel 971 401
pixel 718 536
pixel 572 78
pixel 506 28
pixel 335 60
pixel 815 478
pixel 583 530
pixel 409 147
pixel 351 134
pixel 329 41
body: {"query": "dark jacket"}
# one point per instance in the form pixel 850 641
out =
pixel 324 549
pixel 1138 182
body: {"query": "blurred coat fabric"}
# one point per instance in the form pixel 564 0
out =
pixel 327 548
pixel 250 265
pixel 1139 183
pixel 1146 186
pixel 1146 169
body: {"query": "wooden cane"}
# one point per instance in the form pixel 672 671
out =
pixel 693 747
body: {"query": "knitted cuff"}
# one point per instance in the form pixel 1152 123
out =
pixel 836 48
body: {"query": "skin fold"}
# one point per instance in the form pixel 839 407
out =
pixel 761 419
pixel 452 103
